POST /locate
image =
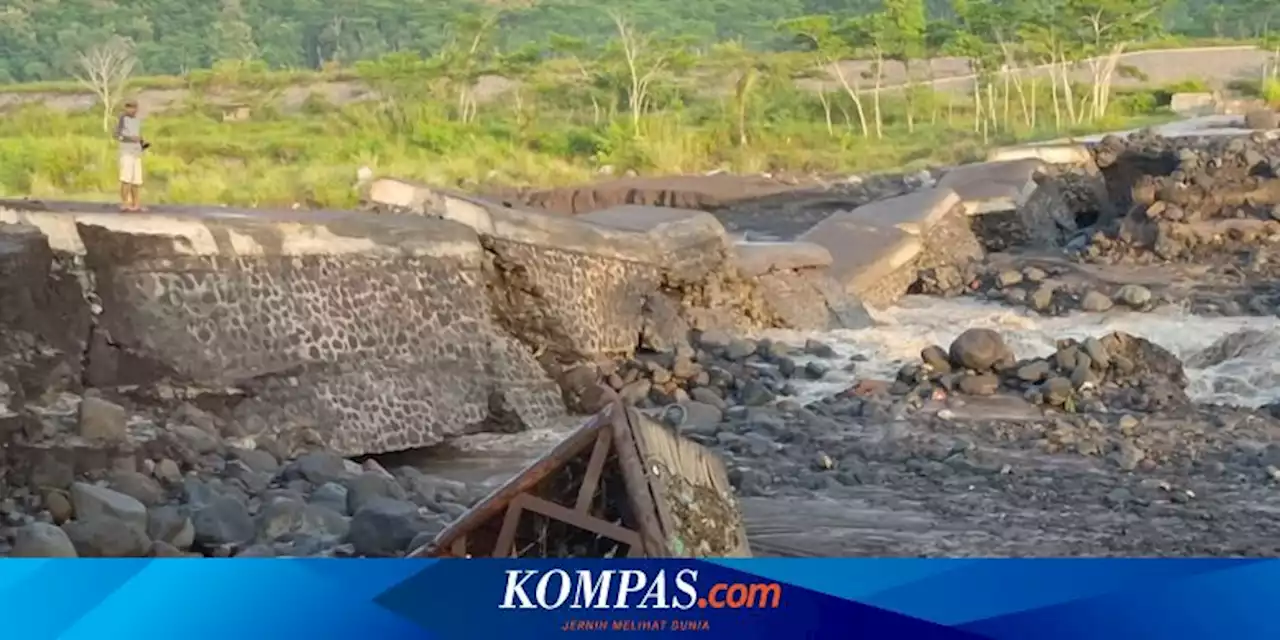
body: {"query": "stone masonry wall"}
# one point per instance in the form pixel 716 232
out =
pixel 360 335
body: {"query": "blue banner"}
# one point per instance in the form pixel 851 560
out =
pixel 741 599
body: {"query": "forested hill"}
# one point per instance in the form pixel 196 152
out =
pixel 39 39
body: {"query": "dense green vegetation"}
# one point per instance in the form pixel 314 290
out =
pixel 40 39
pixel 665 87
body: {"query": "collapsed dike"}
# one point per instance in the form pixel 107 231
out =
pixel 204 380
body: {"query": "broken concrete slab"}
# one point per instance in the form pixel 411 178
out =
pixel 870 262
pixel 757 258
pixel 913 212
pixel 1068 154
pixel 796 288
pixel 688 242
pixel 993 186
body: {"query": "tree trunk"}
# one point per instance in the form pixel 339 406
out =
pixel 978 118
pixel 879 75
pixel 853 95
pixel 1053 93
pixel 909 97
pixel 826 111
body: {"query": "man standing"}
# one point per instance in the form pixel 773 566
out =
pixel 129 133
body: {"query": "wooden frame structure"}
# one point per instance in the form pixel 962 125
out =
pixel 618 452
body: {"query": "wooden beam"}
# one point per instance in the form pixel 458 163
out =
pixel 595 468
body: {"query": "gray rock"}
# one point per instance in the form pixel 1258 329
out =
pixel 1008 278
pixel 92 502
pixel 107 537
pixel 1097 353
pixel 142 488
pixel 257 459
pixel 223 520
pixel 740 349
pixel 1129 456
pixel 372 466
pixel 1042 298
pixel 427 490
pixel 714 341
pixel 41 540
pixel 1057 390
pixel 636 391
pixel 816 370
pixel 819 349
pixel 58 503
pixel 983 384
pixel 172 525
pixel 423 539
pixel 168 471
pixel 284 518
pixel 978 349
pixel 162 549
pixel 1034 371
pixel 317 468
pixel 685 369
pixel 253 481
pixel 201 442
pixel 257 551
pixel 1095 301
pixel 102 420
pixel 707 395
pixel 196 492
pixel 331 495
pixel 936 358
pixel 1133 295
pixel 1034 274
pixel 368 486
pixel 385 527
pixel 755 394
pixel 700 417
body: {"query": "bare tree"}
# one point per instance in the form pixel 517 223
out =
pixel 645 60
pixel 104 70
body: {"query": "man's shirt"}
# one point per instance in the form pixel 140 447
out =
pixel 130 127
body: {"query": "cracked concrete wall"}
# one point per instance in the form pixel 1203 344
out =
pixel 361 334
pixel 591 285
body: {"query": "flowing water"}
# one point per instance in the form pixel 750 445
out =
pixel 1229 360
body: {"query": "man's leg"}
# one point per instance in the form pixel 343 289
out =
pixel 136 188
pixel 126 180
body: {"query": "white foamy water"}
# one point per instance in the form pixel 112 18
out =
pixel 1248 375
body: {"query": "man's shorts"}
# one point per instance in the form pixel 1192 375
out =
pixel 131 168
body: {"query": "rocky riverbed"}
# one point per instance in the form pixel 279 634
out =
pixel 1114 396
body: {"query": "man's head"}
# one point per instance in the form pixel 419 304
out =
pixel 131 108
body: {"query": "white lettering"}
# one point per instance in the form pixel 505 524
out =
pixel 657 591
pixel 684 584
pixel 515 589
pixel 540 592
pixel 588 590
pixel 632 582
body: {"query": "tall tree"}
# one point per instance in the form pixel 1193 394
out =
pixel 105 70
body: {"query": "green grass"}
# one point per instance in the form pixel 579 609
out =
pixel 311 157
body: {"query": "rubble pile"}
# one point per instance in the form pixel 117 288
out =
pixel 1188 199
pixel 1117 369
